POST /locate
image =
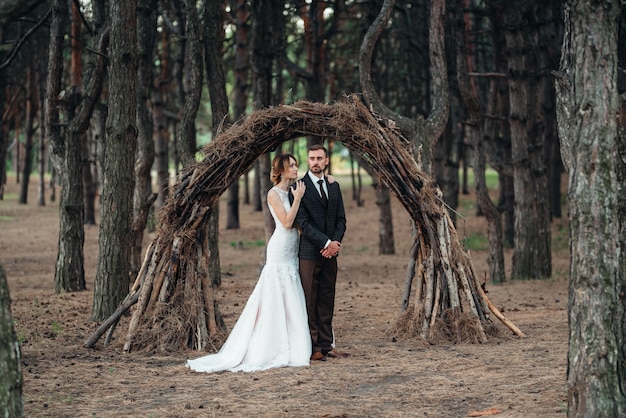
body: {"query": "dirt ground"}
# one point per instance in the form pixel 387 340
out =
pixel 383 377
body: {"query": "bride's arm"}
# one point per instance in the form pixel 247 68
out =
pixel 285 218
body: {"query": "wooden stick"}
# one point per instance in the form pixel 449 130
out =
pixel 143 299
pixel 470 300
pixel 453 290
pixel 430 290
pixel 435 305
pixel 143 268
pixel 128 302
pixel 502 318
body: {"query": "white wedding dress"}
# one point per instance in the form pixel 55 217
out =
pixel 272 330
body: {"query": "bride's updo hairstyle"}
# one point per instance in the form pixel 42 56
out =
pixel 280 164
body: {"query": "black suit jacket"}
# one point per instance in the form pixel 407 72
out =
pixel 319 223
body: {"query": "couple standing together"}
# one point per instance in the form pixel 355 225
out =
pixel 287 320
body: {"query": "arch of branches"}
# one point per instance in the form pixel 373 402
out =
pixel 173 300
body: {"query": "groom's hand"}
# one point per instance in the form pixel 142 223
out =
pixel 332 250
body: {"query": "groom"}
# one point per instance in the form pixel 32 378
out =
pixel 322 221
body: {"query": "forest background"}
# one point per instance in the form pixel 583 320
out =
pixel 148 81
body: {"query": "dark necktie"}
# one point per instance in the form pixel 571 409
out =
pixel 323 193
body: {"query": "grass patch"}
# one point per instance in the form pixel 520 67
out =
pixel 56 329
pixel 361 249
pixel 10 196
pixel 491 178
pixel 7 218
pixel 476 242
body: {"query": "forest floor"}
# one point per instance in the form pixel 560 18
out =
pixel 383 377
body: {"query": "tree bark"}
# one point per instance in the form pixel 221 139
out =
pixel 240 93
pixel 262 61
pixel 214 24
pixel 112 276
pixel 91 142
pixel 65 155
pixel 550 39
pixel 587 105
pixel 41 145
pixel 31 110
pixel 53 84
pixel 11 379
pixel 532 253
pixel 143 198
pixel 161 143
pixel 70 270
pixel 90 185
pixel 3 139
pixel 78 107
pixel 620 326
pixel 475 128
pixel 385 221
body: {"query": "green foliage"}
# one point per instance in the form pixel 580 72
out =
pixel 10 196
pixel 491 178
pixel 361 249
pixel 56 329
pixel 476 242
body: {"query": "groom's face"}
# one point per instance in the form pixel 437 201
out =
pixel 317 161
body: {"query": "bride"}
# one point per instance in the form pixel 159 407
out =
pixel 272 330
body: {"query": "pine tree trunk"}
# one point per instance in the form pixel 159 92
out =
pixel 550 40
pixel 42 152
pixel 385 221
pixel 70 271
pixel 3 139
pixel 262 84
pixel 256 188
pixel 475 127
pixel 112 276
pixel 161 144
pixel 11 379
pixel 76 74
pixel 31 110
pixel 588 102
pixel 90 187
pixel 240 99
pixel 53 85
pixel 143 198
pixel 65 155
pixel 532 252
pixel 214 24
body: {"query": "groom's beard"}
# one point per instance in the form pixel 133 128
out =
pixel 316 169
